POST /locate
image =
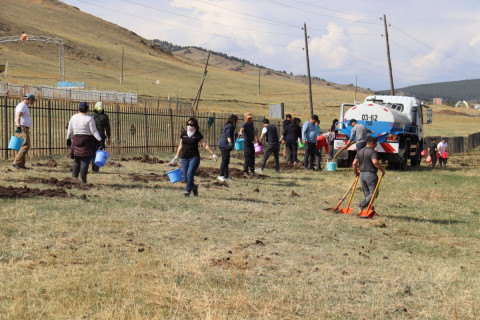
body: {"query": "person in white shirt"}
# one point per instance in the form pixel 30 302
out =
pixel 81 135
pixel 442 150
pixel 23 122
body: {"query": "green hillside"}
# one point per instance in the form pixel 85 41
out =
pixel 451 92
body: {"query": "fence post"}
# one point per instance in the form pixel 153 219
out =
pixel 6 127
pixel 171 128
pixel 117 125
pixel 214 132
pixel 146 126
pixel 49 120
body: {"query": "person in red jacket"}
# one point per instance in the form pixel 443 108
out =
pixel 324 140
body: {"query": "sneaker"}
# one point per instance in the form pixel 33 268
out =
pixel 253 174
pixel 221 178
pixel 277 171
pixel 16 166
pixel 186 194
pixel 228 179
pixel 260 170
pixel 195 190
pixel 245 174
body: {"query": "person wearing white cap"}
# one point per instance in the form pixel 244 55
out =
pixel 23 122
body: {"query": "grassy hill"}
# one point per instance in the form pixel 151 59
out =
pixel 451 92
pixel 93 49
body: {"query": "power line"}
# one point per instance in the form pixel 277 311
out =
pixel 208 21
pixel 337 11
pixel 180 27
pixel 319 14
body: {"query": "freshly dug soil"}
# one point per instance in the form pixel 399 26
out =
pixel 25 192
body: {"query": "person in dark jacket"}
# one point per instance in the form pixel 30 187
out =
pixel 432 151
pixel 247 131
pixel 103 126
pixel 226 146
pixel 82 137
pixel 288 120
pixel 272 145
pixel 291 135
pixel 188 149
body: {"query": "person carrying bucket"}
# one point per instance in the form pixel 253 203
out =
pixel 442 150
pixel 102 122
pixel 432 152
pixel 247 131
pixel 82 137
pixel 288 120
pixel 367 160
pixel 188 149
pixel 323 141
pixel 273 145
pixel 226 146
pixel 23 122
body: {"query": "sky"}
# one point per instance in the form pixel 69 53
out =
pixel 430 40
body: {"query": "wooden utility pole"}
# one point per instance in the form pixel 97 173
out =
pixel 308 69
pixel 121 72
pixel 197 98
pixel 259 81
pixel 392 89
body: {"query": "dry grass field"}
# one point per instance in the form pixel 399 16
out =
pixel 128 245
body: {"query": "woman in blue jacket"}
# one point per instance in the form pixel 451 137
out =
pixel 226 145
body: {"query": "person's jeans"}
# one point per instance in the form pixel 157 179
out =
pixel 21 156
pixel 225 162
pixel 275 149
pixel 249 154
pixel 369 182
pixel 189 167
pixel 80 165
pixel 310 148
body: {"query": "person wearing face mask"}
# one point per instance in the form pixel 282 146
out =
pixel 190 154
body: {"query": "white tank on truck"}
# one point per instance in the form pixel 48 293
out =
pixel 397 123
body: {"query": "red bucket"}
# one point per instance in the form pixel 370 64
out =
pixel 438 156
pixel 445 155
pixel 424 153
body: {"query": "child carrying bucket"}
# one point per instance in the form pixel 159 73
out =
pixel 188 148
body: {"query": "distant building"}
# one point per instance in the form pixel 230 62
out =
pixel 437 100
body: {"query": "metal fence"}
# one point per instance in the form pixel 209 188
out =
pixel 134 129
pixel 15 90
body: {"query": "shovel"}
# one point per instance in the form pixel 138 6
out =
pixel 343 198
pixel 348 210
pixel 368 213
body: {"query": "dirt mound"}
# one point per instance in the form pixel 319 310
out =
pixel 12 192
pixel 149 177
pixel 50 164
pixel 144 159
pixel 64 183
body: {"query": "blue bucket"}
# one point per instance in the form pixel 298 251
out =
pixel 175 175
pixel 101 158
pixel 331 166
pixel 15 143
pixel 239 144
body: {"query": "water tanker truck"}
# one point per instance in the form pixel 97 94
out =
pixel 397 124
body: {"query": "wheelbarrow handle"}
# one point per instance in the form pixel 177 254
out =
pixel 353 192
